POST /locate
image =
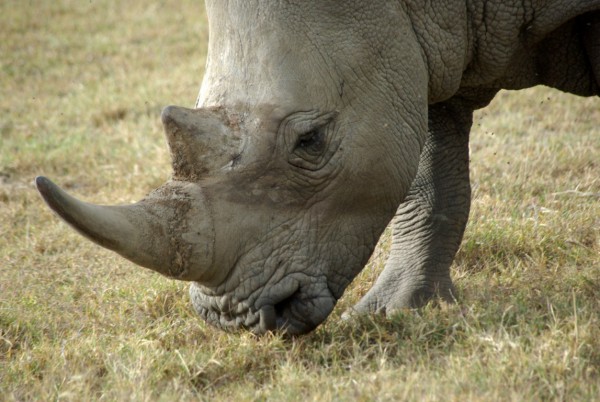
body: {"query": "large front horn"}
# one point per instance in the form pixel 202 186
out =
pixel 169 231
pixel 201 140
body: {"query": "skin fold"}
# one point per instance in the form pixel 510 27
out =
pixel 317 124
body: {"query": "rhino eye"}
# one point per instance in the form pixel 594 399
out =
pixel 309 138
pixel 312 141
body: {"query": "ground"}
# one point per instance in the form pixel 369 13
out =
pixel 82 87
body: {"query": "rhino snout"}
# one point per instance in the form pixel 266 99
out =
pixel 294 312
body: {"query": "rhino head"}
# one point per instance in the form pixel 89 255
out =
pixel 304 140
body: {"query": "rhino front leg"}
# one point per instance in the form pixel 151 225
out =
pixel 429 224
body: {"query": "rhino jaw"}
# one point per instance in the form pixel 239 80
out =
pixel 169 231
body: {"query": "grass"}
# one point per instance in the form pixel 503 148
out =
pixel 82 86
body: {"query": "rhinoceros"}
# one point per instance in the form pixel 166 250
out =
pixel 318 123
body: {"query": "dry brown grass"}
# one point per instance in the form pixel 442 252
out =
pixel 82 86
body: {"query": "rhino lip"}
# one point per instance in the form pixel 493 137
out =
pixel 288 313
pixel 291 315
pixel 279 317
pixel 267 318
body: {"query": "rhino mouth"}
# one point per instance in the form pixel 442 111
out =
pixel 296 311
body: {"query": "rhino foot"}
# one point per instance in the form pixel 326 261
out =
pixel 385 299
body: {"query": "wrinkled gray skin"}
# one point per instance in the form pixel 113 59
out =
pixel 316 124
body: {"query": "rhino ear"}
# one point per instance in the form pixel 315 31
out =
pixel 201 141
